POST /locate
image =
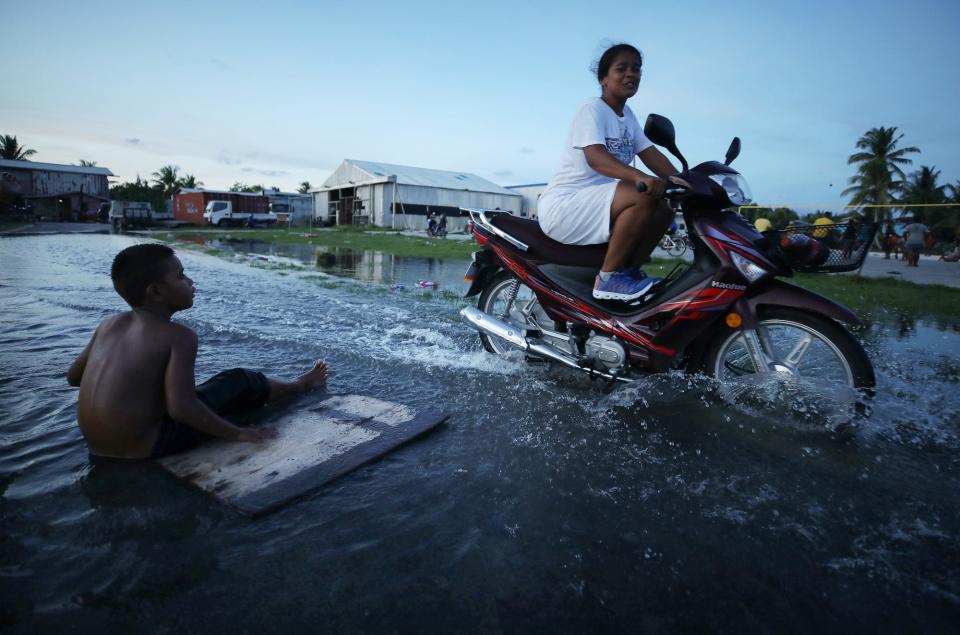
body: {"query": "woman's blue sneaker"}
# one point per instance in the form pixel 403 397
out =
pixel 623 286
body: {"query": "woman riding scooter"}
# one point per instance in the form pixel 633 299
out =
pixel 596 197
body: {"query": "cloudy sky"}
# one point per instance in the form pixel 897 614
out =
pixel 281 92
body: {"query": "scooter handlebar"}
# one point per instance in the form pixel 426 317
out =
pixel 672 191
pixel 675 192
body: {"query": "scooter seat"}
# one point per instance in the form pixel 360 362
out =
pixel 545 249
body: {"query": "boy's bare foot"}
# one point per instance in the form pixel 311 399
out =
pixel 314 378
pixel 256 435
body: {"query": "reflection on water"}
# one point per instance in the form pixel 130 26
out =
pixel 544 504
pixel 367 265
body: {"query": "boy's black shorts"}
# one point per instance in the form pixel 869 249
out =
pixel 234 391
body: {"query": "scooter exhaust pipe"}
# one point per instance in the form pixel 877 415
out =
pixel 510 333
pixel 492 326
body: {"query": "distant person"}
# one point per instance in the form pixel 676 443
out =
pixel 762 224
pixel 823 225
pixel 593 197
pixel 915 236
pixel 848 241
pixel 889 240
pixel 136 375
pixel 953 254
pixel 442 224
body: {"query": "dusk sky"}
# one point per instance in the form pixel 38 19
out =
pixel 281 92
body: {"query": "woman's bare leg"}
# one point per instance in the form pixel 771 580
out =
pixel 315 378
pixel 636 226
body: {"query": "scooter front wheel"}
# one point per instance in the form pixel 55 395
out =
pixel 522 309
pixel 795 343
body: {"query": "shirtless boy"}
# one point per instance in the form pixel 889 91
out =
pixel 136 375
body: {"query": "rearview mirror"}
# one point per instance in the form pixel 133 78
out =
pixel 659 129
pixel 733 151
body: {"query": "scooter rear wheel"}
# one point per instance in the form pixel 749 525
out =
pixel 524 312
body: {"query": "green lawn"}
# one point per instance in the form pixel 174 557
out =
pixel 887 298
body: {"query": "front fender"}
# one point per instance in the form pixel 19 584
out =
pixel 779 293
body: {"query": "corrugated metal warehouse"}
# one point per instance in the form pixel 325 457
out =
pixel 401 196
pixel 55 191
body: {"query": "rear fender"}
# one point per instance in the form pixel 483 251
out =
pixel 779 293
pixel 486 267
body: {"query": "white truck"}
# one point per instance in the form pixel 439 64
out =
pixel 221 213
pixel 124 214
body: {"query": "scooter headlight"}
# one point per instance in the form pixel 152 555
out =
pixel 750 270
pixel 735 186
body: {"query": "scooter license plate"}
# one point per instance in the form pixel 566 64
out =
pixel 471 272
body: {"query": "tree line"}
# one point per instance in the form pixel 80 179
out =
pixel 879 182
pixel 881 189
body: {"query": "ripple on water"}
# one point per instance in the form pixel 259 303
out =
pixel 541 490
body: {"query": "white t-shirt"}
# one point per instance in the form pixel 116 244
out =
pixel 916 233
pixel 575 206
pixel 596 123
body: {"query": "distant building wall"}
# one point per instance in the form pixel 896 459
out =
pixel 296 205
pixel 531 197
pixel 415 202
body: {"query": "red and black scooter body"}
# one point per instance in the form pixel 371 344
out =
pixel 734 271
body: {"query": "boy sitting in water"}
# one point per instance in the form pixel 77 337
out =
pixel 138 398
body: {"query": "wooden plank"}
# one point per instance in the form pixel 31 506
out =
pixel 312 448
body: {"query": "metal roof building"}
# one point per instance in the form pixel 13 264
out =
pixel 56 191
pixel 388 195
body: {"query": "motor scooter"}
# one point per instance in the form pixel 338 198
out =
pixel 437 229
pixel 727 314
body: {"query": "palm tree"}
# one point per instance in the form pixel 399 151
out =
pixel 922 189
pixel 87 164
pixel 305 187
pixel 10 149
pixel 954 192
pixel 190 181
pixel 879 174
pixel 166 179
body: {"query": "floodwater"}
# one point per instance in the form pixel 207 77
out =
pixel 543 504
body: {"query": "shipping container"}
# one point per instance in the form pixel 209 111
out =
pixel 188 205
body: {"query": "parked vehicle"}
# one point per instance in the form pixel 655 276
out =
pixel 437 226
pixel 435 231
pixel 675 245
pixel 222 213
pixel 126 214
pixel 726 314
pixel 190 205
